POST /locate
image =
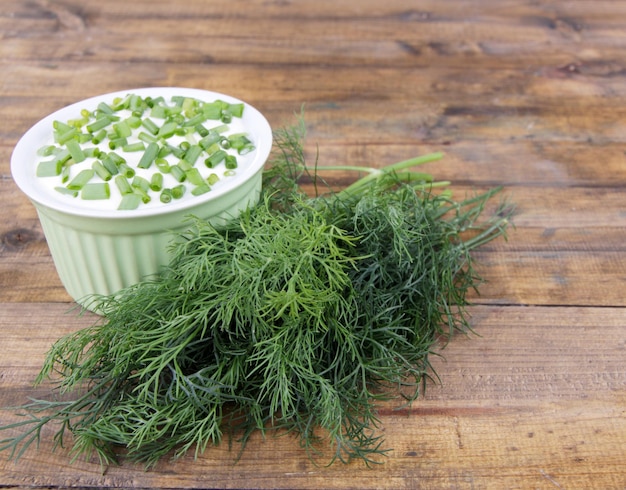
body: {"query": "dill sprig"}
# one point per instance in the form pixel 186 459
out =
pixel 297 317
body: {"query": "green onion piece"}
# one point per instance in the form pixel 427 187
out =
pixel 66 191
pixel 76 152
pixel 101 171
pixel 212 179
pixel 93 152
pixel 139 146
pixel 178 191
pixel 201 130
pixel 141 183
pixel 81 179
pixel 150 126
pixel 165 196
pixel 178 173
pixel 63 156
pixel 210 139
pixel 164 151
pixel 192 154
pixel 99 136
pixel 96 191
pixel 212 110
pixel 229 173
pixel 61 127
pixel 98 124
pixel 133 122
pixel 225 142
pixel 156 182
pixel 104 108
pixel 129 202
pixel 148 156
pixel 221 128
pixel 122 129
pixel 63 138
pixel 167 130
pixel 184 145
pixel 176 151
pixel 145 197
pixel 116 143
pixel 65 174
pixel 163 165
pixel 46 151
pixel 185 165
pixel 109 164
pixel 123 185
pixel 195 120
pixel 230 161
pixel 117 158
pixel 227 117
pixel 215 159
pixel 193 175
pixel 51 168
pixel 201 189
pixel 236 109
pixel 126 171
pixel 146 138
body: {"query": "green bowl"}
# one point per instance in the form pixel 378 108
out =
pixel 100 251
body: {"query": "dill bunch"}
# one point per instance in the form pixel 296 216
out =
pixel 298 316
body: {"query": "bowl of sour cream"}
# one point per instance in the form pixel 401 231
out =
pixel 115 177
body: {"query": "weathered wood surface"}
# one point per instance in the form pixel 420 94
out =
pixel 527 94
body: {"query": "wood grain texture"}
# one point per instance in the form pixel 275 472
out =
pixel 525 94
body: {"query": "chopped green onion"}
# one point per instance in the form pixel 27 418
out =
pixel 123 185
pixel 148 156
pixel 63 138
pixel 116 143
pixel 215 159
pixel 150 126
pixel 156 181
pixel 95 191
pixel 230 161
pixel 129 202
pixel 46 151
pixel 178 191
pixel 99 137
pixel 165 196
pixel 192 154
pixel 109 164
pixel 66 191
pixel 140 183
pixel 212 179
pixel 126 171
pixel 167 130
pixel 98 124
pixel 81 179
pixel 178 173
pixel 193 175
pixel 50 168
pixel 122 129
pixel 146 138
pixel 139 146
pixel 76 152
pixel 101 170
pixel 201 189
pixel 145 197
pixel 163 165
pixel 117 158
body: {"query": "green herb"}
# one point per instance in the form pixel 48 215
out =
pixel 297 317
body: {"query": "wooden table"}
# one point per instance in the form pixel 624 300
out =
pixel 530 95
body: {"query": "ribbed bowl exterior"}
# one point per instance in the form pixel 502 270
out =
pixel 103 256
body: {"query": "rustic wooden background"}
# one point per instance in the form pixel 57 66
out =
pixel 530 94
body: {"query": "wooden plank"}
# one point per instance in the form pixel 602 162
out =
pixel 530 412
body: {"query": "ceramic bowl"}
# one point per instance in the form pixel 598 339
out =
pixel 100 251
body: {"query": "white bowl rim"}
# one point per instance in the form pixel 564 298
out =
pixel 26 148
